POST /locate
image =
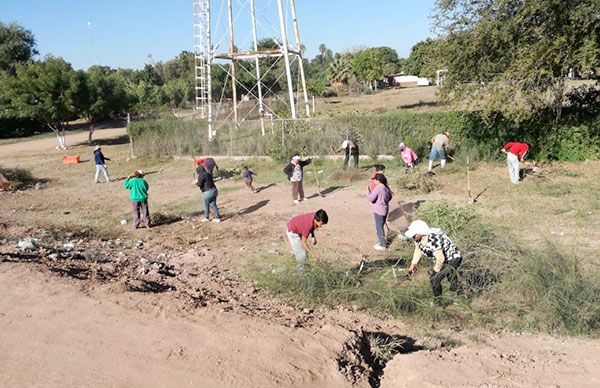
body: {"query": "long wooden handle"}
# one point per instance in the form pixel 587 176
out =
pixel 316 174
pixel 468 178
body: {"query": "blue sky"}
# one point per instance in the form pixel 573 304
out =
pixel 123 33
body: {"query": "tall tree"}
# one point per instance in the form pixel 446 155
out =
pixel 101 94
pixel 423 59
pixel 374 64
pixel 340 70
pixel 513 56
pixel 17 45
pixel 44 91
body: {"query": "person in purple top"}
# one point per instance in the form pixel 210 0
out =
pixel 380 197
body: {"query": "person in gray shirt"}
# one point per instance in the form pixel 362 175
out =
pixel 439 147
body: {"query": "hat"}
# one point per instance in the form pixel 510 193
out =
pixel 417 227
pixel 96 148
pixel 401 146
pixel 296 157
pixel 345 144
pixel 141 172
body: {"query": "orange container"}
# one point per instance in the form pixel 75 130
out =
pixel 71 159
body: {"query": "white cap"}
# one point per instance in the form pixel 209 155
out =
pixel 141 172
pixel 296 157
pixel 345 144
pixel 401 146
pixel 417 227
pixel 96 148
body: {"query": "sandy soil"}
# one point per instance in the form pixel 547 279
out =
pixel 103 305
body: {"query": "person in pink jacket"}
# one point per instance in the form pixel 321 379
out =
pixel 408 157
pixel 380 197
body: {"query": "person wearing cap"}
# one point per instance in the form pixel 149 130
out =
pixel 138 194
pixel 434 244
pixel 408 156
pixel 380 197
pixel 100 160
pixel 294 172
pixel 515 152
pixel 439 148
pixel 298 230
pixel 350 148
pixel 209 191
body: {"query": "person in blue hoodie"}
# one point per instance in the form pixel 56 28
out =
pixel 100 160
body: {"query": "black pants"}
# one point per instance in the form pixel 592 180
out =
pixel 449 270
pixel 354 154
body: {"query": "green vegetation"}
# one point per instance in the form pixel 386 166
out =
pixel 504 284
pixel 377 134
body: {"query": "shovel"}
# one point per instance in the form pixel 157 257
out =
pixel 317 179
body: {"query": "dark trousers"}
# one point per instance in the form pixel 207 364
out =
pixel 140 210
pixel 379 224
pixel 347 158
pixel 297 190
pixel 450 271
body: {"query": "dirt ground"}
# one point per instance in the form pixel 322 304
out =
pixel 101 304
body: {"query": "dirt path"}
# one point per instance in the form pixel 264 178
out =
pixel 45 145
pixel 169 307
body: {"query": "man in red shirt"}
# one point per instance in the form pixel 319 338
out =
pixel 515 152
pixel 298 230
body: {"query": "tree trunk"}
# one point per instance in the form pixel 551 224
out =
pixel 60 136
pixel 91 130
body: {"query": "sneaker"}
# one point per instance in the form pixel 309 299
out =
pixel 296 201
pixel 216 220
pixel 378 247
pixel 305 199
pixel 205 220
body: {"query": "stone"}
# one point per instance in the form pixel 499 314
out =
pixel 28 243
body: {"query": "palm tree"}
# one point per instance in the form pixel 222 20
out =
pixel 340 71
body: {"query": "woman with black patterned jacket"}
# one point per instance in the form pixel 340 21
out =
pixel 446 256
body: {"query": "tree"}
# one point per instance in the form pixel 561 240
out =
pixel 181 67
pixel 44 91
pixel 375 64
pixel 17 46
pixel 512 56
pixel 101 94
pixel 422 60
pixel 340 70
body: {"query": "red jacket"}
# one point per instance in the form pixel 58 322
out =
pixel 519 149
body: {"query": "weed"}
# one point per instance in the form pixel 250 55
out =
pixel 19 177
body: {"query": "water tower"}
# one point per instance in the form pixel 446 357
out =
pixel 227 38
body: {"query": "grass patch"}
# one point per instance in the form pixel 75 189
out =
pixel 553 189
pixel 360 288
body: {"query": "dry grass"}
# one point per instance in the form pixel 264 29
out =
pixel 417 98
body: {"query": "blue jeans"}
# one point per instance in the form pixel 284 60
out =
pixel 379 223
pixel 99 168
pixel 299 252
pixel 439 153
pixel 210 201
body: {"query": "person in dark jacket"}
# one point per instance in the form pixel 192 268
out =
pixel 206 183
pixel 350 148
pixel 100 160
pixel 294 172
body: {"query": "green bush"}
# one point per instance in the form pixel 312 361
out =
pixel 576 139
